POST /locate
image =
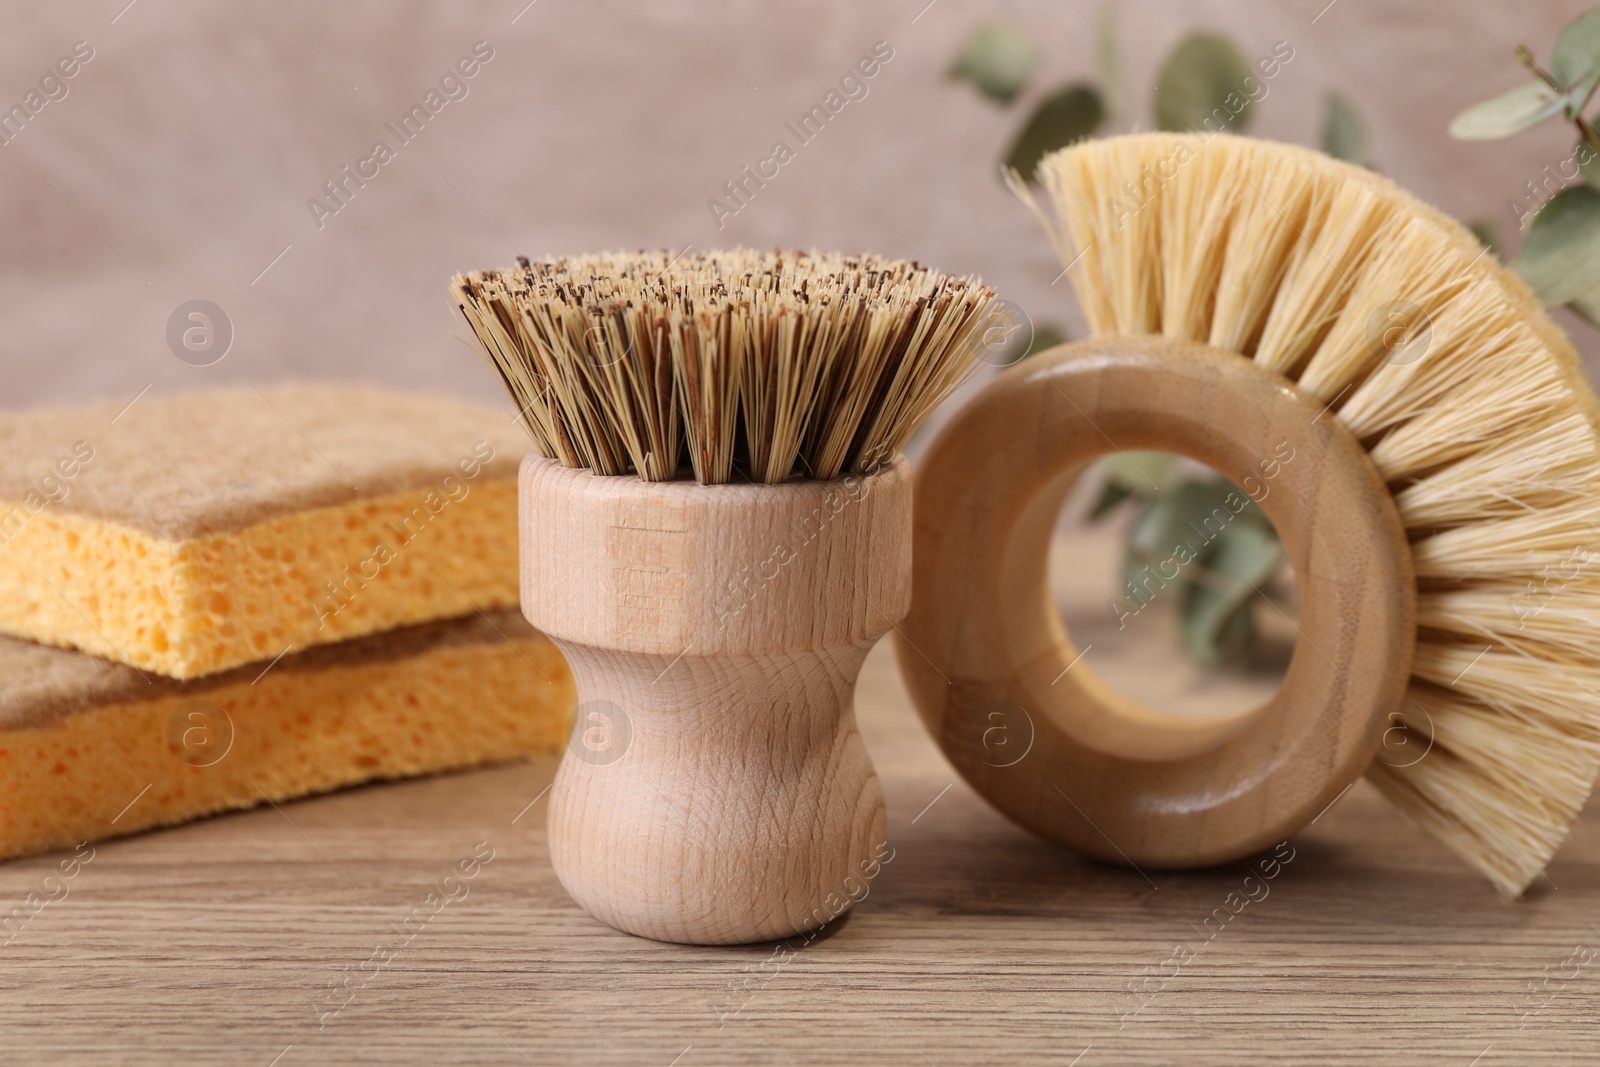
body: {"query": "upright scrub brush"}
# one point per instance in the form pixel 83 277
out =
pixel 716 528
pixel 1417 429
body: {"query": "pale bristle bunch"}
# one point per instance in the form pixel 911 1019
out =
pixel 1475 412
pixel 744 365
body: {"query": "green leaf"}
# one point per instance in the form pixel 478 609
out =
pixel 1145 473
pixel 1344 136
pixel 1522 108
pixel 1111 494
pixel 1217 621
pixel 1069 115
pixel 1150 543
pixel 1587 305
pixel 1174 531
pixel 1203 80
pixel 1575 63
pixel 1043 337
pixel 1588 162
pixel 1486 234
pixel 1588 308
pixel 998 60
pixel 1176 542
pixel 1560 259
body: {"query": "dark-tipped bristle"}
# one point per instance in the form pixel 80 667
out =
pixel 737 364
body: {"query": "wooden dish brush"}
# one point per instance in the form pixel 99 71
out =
pixel 716 528
pixel 1250 301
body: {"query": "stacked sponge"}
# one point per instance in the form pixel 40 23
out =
pixel 268 593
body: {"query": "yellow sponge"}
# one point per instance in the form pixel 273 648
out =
pixel 192 533
pixel 92 749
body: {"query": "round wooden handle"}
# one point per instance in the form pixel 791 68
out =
pixel 715 789
pixel 987 658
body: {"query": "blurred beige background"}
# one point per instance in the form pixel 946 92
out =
pixel 179 163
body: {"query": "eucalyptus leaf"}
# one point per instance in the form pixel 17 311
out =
pixel 1520 109
pixel 1575 63
pixel 1587 305
pixel 1588 162
pixel 1487 235
pixel 1111 494
pixel 1208 546
pixel 1146 473
pixel 1218 623
pixel 1560 259
pixel 1212 503
pixel 998 59
pixel 1177 528
pixel 1203 80
pixel 1068 115
pixel 1151 543
pixel 1344 136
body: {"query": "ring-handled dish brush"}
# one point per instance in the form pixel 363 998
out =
pixel 1418 431
pixel 716 528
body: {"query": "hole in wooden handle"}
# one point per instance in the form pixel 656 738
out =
pixel 1103 774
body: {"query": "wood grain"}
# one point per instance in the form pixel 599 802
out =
pixel 979 944
pixel 1012 698
pixel 717 790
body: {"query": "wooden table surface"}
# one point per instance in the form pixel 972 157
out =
pixel 221 942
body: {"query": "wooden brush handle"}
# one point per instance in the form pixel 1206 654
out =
pixel 999 682
pixel 716 789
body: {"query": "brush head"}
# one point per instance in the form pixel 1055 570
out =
pixel 758 366
pixel 1469 401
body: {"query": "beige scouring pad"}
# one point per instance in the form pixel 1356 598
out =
pixel 192 533
pixel 92 749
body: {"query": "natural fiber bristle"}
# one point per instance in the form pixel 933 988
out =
pixel 1485 430
pixel 758 366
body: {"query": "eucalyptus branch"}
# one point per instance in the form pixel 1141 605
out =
pixel 1587 131
pixel 1526 55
